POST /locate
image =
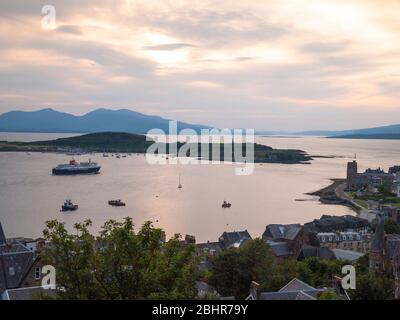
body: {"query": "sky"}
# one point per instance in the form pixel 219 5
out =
pixel 268 65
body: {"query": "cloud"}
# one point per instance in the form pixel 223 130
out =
pixel 70 29
pixel 169 46
pixel 268 65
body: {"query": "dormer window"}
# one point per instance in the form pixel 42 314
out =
pixel 11 271
pixel 37 273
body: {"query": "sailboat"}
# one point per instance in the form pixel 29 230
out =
pixel 179 185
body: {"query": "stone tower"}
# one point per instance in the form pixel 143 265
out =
pixel 352 171
pixel 376 254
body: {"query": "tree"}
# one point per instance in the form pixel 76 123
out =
pixel 234 269
pixel 372 287
pixel 391 227
pixel 287 270
pixel 323 271
pixel 385 190
pixel 120 263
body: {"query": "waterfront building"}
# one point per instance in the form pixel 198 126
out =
pixel 373 177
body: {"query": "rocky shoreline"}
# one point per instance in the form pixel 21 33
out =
pixel 331 195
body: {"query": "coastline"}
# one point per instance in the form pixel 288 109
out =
pixel 121 142
pixel 334 194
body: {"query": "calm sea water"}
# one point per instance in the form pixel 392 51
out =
pixel 30 195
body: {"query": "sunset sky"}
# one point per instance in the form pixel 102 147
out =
pixel 268 65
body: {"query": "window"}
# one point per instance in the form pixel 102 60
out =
pixel 11 271
pixel 37 273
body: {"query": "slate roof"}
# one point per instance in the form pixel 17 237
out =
pixel 323 253
pixel 290 295
pixel 14 266
pixel 28 293
pixel 235 238
pixel 15 261
pixel 280 249
pixel 296 285
pixel 294 290
pixel 347 255
pixel 378 239
pixel 281 231
pixel 206 247
pixel 333 223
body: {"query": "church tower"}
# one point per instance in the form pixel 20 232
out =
pixel 376 254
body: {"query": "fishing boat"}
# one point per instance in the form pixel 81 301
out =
pixel 116 203
pixel 69 206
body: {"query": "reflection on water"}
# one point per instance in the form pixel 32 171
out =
pixel 30 195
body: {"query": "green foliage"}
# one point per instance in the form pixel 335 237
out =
pixel 285 271
pixel 328 295
pixel 385 190
pixel 314 271
pixel 234 269
pixel 120 263
pixel 391 227
pixel 372 287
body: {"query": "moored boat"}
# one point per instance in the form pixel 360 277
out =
pixel 69 206
pixel 226 204
pixel 116 203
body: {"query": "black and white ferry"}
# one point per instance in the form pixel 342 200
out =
pixel 76 168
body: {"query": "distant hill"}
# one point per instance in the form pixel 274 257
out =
pixel 136 143
pixel 100 120
pixel 391 130
pixel 322 133
pixel 100 141
pixel 388 136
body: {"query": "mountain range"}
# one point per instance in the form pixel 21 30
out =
pixel 124 120
pixel 100 120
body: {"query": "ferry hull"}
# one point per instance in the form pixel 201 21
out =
pixel 65 172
